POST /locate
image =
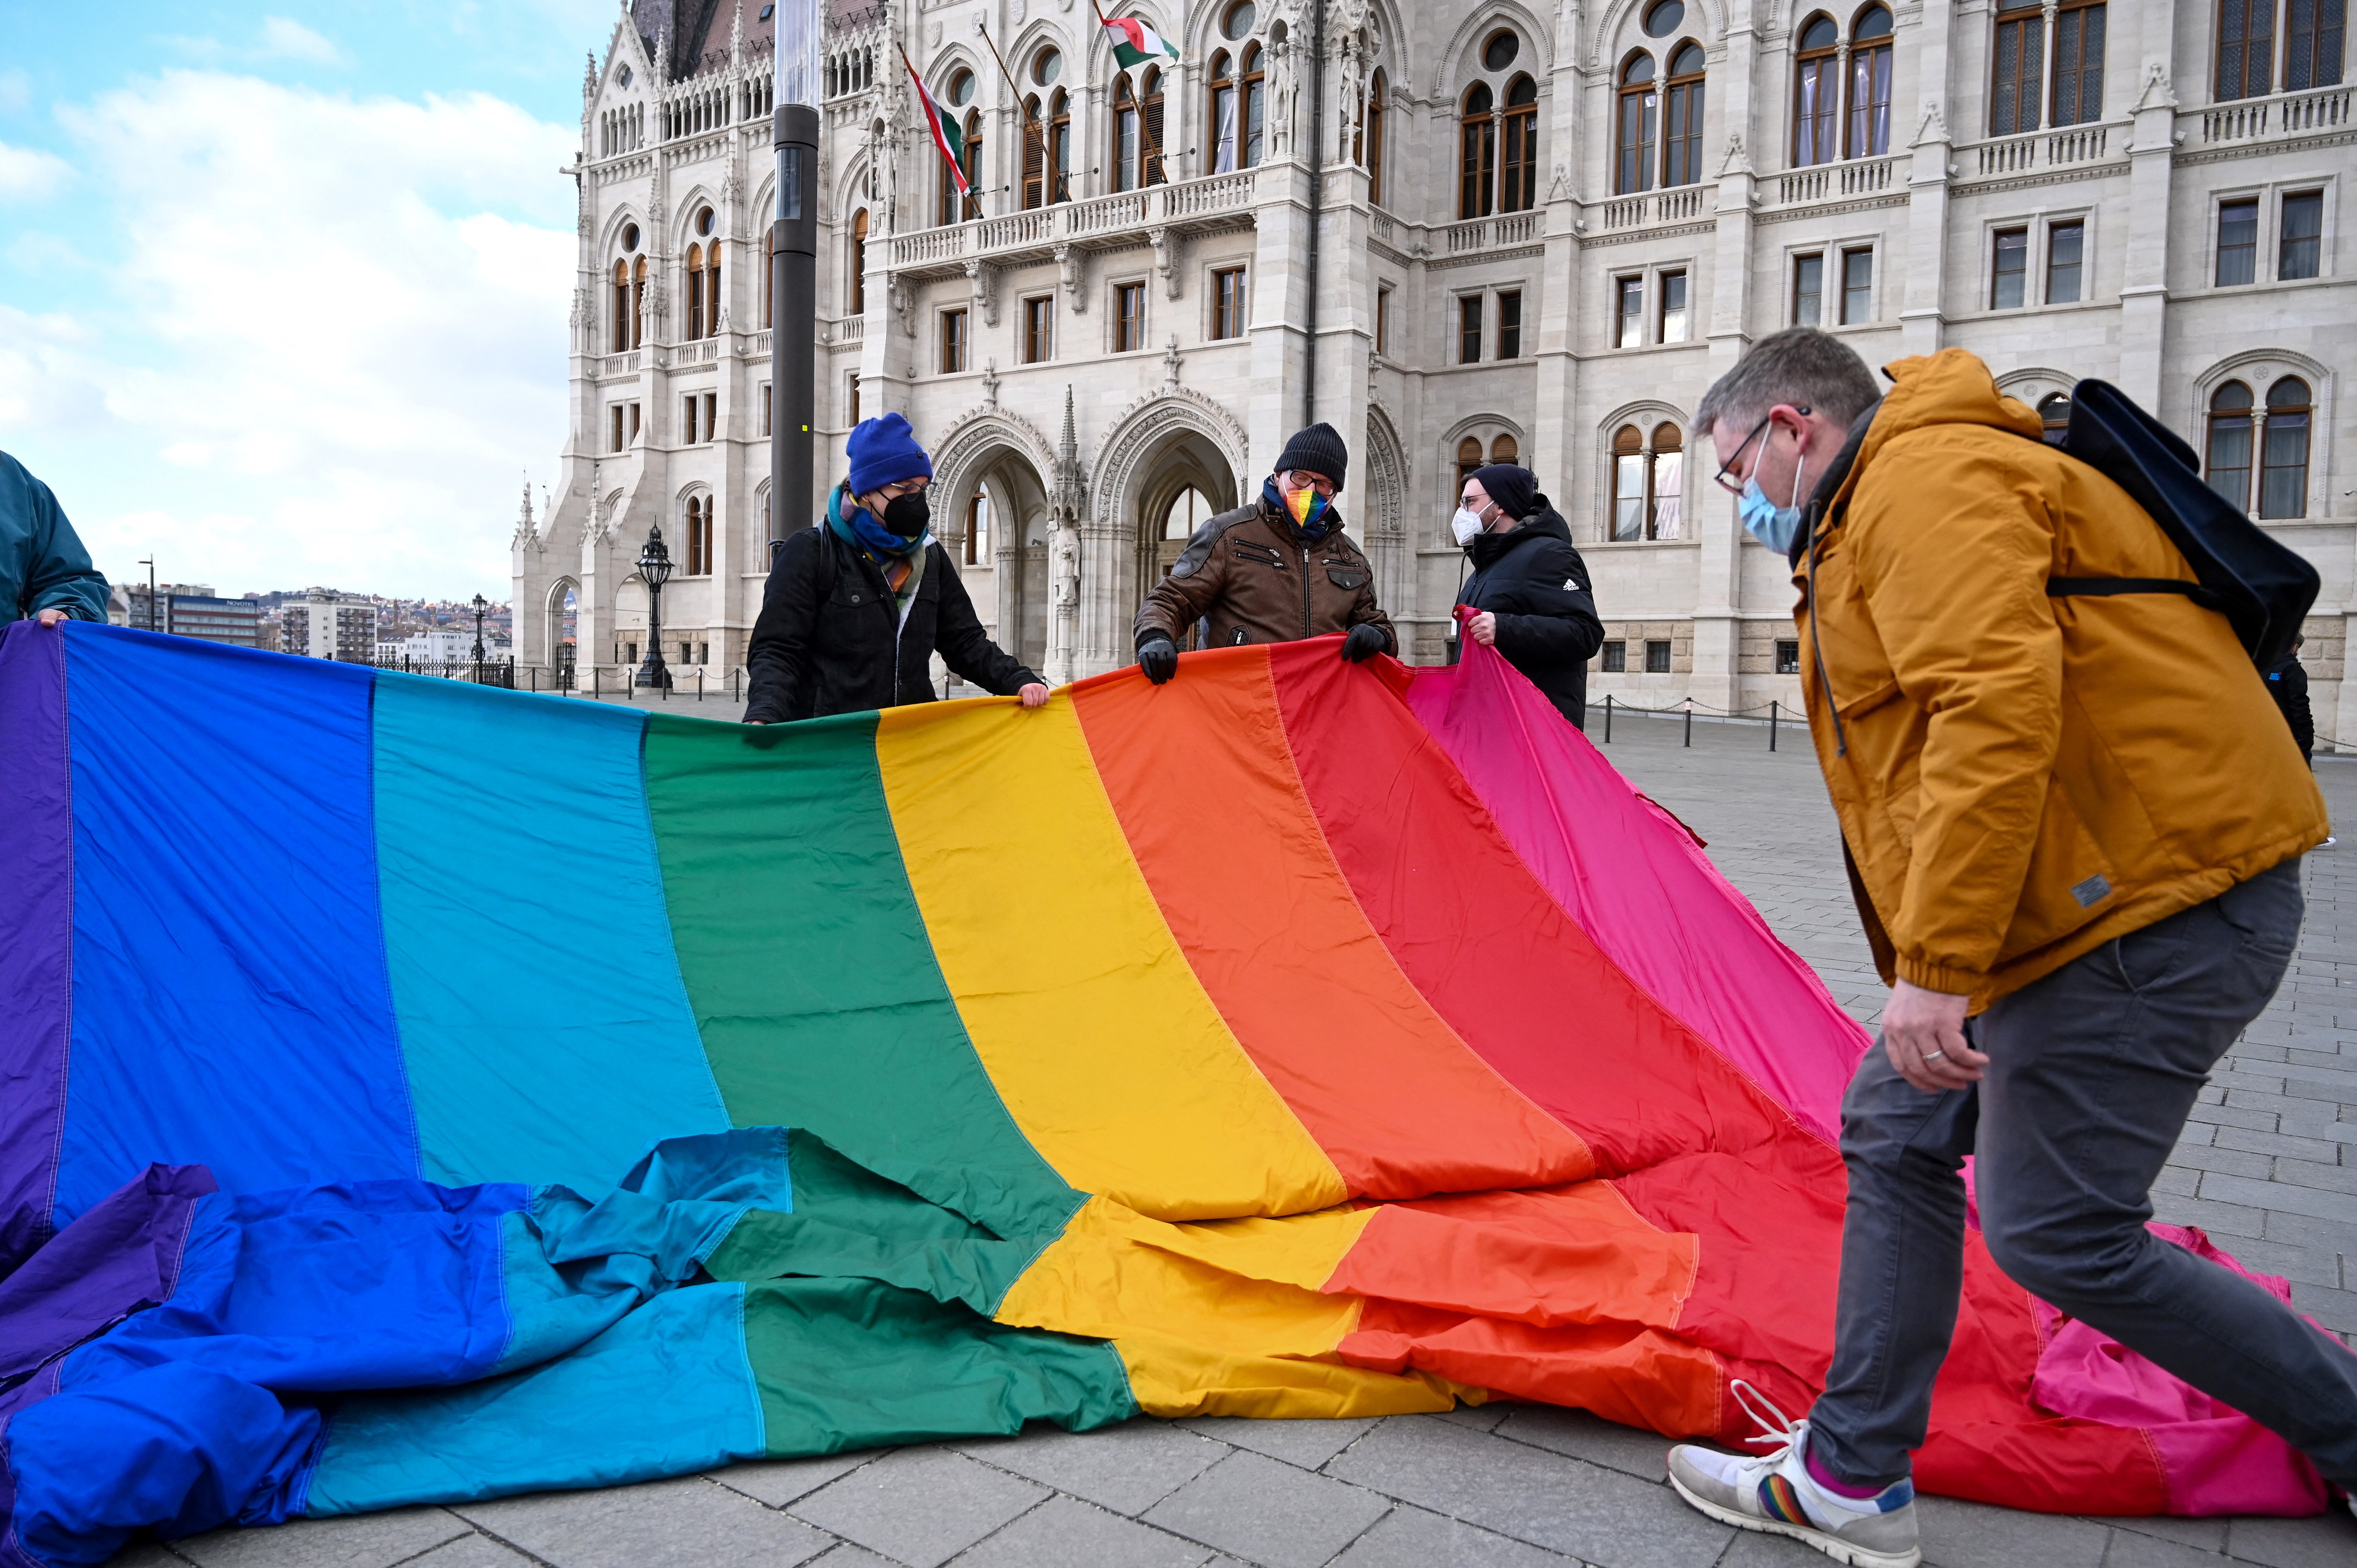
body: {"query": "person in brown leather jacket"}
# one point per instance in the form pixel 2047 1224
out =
pixel 1271 571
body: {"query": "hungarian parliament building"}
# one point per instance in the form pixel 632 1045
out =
pixel 1457 233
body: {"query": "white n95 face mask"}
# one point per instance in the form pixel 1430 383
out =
pixel 1466 525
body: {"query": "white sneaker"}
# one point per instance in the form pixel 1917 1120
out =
pixel 1775 1494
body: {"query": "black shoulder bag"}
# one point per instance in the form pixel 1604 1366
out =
pixel 2261 586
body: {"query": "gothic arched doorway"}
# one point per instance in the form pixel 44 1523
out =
pixel 1187 483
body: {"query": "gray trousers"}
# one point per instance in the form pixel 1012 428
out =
pixel 2092 1072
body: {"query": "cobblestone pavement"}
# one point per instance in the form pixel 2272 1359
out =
pixel 2269 1167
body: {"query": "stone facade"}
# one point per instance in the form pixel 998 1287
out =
pixel 1104 368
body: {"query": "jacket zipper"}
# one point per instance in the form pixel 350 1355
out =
pixel 1305 594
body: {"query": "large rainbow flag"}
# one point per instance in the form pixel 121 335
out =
pixel 411 1092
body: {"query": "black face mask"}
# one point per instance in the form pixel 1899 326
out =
pixel 908 515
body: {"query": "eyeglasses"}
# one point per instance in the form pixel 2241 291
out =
pixel 895 491
pixel 1735 486
pixel 1318 482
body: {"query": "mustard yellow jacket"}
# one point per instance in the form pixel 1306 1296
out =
pixel 2021 778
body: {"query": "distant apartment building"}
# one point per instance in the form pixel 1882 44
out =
pixel 325 624
pixel 440 645
pixel 192 609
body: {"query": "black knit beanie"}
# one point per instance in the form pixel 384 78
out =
pixel 1511 488
pixel 1317 449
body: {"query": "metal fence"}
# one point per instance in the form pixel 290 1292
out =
pixel 605 682
pixel 479 671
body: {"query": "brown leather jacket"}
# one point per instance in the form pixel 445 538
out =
pixel 1247 573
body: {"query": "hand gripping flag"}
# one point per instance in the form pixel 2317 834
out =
pixel 1134 43
pixel 948 135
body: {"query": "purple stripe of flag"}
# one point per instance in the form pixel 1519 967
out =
pixel 36 930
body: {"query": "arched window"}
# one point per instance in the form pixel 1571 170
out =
pixel 1648 484
pixel 699 536
pixel 977 527
pixel 2017 84
pixel 2283 470
pixel 696 291
pixel 1370 140
pixel 623 317
pixel 2313 37
pixel 1816 99
pixel 2054 417
pixel 2229 454
pixel 1223 113
pixel 1682 118
pixel 1254 86
pixel 857 291
pixel 1468 458
pixel 2247 49
pixel 2079 61
pixel 1126 149
pixel 1504 450
pixel 714 300
pixel 1035 155
pixel 1149 103
pixel 1477 165
pixel 972 161
pixel 1518 189
pixel 638 300
pixel 1190 512
pixel 1640 110
pixel 1869 83
pixel 1669 481
pixel 1628 485
pixel 1060 147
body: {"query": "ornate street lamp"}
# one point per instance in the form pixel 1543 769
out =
pixel 480 607
pixel 654 566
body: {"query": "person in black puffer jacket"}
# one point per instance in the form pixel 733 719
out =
pixel 857 606
pixel 1530 585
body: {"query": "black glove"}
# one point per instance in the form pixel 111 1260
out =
pixel 1158 657
pixel 1364 642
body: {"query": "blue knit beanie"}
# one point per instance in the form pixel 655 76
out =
pixel 884 452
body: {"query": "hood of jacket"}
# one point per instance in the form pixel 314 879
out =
pixel 1950 387
pixel 1543 522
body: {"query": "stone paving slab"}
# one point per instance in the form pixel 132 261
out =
pixel 1499 1485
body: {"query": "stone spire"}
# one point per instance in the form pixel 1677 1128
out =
pixel 737 37
pixel 589 77
pixel 1068 462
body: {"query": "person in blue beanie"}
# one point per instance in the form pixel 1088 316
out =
pixel 857 606
pixel 44 570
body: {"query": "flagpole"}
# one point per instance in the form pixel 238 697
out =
pixel 793 273
pixel 1153 147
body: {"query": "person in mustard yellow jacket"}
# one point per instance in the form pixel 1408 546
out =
pixel 2073 826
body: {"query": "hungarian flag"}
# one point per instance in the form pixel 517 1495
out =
pixel 948 134
pixel 1134 43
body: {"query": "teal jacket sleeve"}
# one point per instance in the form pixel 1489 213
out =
pixel 42 562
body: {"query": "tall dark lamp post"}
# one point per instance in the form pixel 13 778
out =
pixel 793 233
pixel 480 607
pixel 654 565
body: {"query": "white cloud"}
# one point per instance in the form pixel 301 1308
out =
pixel 27 173
pixel 329 346
pixel 282 37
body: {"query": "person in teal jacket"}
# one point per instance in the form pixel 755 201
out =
pixel 44 570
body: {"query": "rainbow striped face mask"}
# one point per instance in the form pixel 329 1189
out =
pixel 1306 505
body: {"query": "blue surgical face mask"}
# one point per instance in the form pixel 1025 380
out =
pixel 1774 526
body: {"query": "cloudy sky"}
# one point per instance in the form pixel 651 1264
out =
pixel 283 289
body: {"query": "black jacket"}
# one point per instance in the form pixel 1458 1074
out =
pixel 825 641
pixel 1534 581
pixel 2288 684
